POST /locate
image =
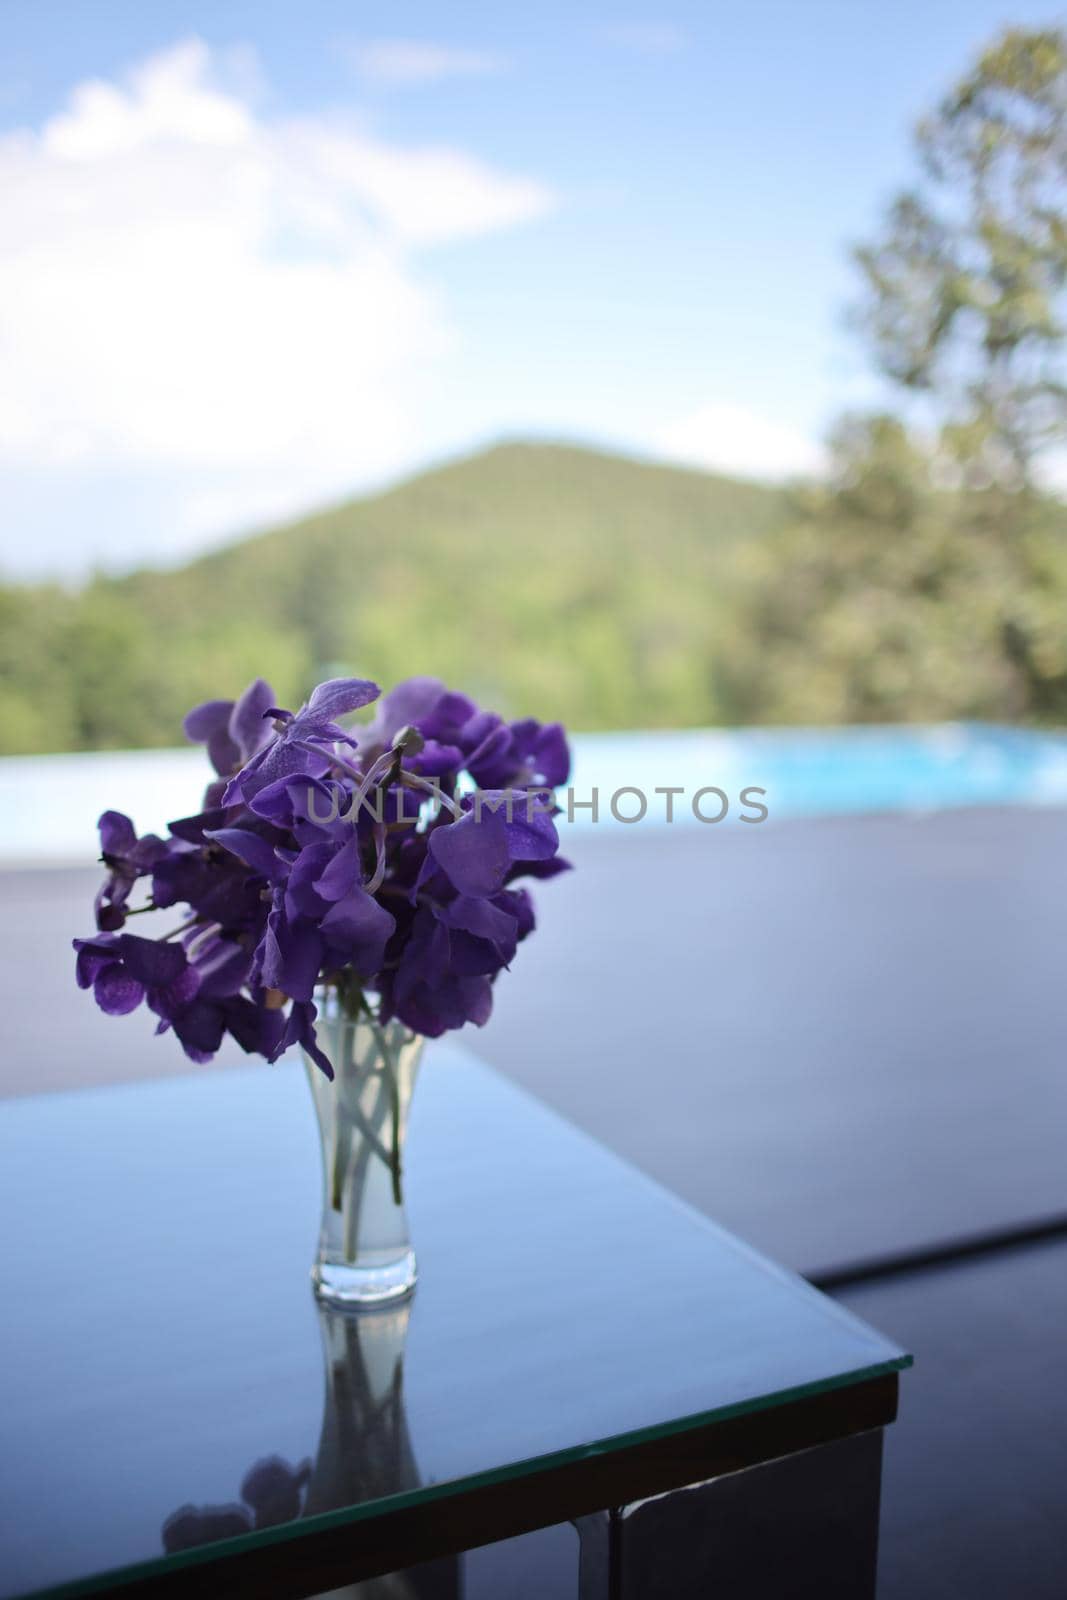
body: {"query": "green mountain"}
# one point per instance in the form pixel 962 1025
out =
pixel 542 579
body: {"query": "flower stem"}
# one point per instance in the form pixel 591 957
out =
pixel 389 1068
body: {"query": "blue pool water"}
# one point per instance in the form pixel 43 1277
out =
pixel 49 804
pixel 831 771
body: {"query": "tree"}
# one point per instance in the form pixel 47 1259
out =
pixel 876 603
pixel 965 287
pixel 900 591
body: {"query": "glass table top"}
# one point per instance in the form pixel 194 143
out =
pixel 167 1379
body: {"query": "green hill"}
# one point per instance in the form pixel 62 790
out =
pixel 541 578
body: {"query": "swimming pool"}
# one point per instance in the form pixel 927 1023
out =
pixel 831 771
pixel 49 804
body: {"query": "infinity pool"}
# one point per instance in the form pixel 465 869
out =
pixel 49 804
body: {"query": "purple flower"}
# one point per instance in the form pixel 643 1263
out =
pixel 257 1027
pixel 300 1029
pixel 483 935
pixel 477 852
pixel 122 970
pixel 315 861
pixel 322 916
pixel 127 858
pixel 521 755
pixel 290 954
pixel 258 852
pixel 303 740
pixel 233 730
pixel 425 992
pixel 407 706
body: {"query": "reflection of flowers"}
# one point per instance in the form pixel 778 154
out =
pixel 364 1449
pixel 272 1492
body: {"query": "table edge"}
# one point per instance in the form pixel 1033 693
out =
pixel 309 1554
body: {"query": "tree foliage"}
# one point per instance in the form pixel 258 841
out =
pixel 964 288
pixel 532 576
pixel 888 598
pixel 928 578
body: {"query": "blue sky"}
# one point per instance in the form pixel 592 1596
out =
pixel 254 257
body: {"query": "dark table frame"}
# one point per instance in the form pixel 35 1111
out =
pixel 302 1559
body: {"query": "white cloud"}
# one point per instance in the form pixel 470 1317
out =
pixel 188 283
pixel 410 62
pixel 729 438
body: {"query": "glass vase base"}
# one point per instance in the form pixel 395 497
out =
pixel 341 1284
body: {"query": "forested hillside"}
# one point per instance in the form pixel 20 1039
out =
pixel 584 585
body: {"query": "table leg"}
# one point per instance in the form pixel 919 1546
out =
pixel 803 1527
pixel 598 1568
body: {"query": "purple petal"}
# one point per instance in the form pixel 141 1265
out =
pixel 93 956
pixel 250 848
pixel 220 968
pixel 109 909
pixel 404 705
pixel 115 991
pixel 425 958
pixel 200 1028
pixel 117 834
pixel 173 998
pixel 434 759
pixel 552 756
pixel 472 958
pixel 344 872
pixel 302 898
pixel 434 1010
pixel 248 725
pixel 292 957
pixel 448 717
pixel 257 1029
pixel 300 1029
pixel 360 929
pixel 487 921
pixel 473 852
pixel 550 868
pixel 151 961
pixel 518 903
pixel 477 999
pixel 223 754
pixel 206 719
pixel 192 829
pixel 274 762
pixel 149 849
pixel 490 755
pixel 276 801
pixel 340 695
pixel 531 837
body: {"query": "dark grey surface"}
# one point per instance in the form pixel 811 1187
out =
pixel 837 1037
pixel 160 1336
pixel 974 1500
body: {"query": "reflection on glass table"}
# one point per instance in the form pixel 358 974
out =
pixel 579 1343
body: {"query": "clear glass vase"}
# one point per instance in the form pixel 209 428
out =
pixel 365 1256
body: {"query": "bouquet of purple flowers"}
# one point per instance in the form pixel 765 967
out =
pixel 379 862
